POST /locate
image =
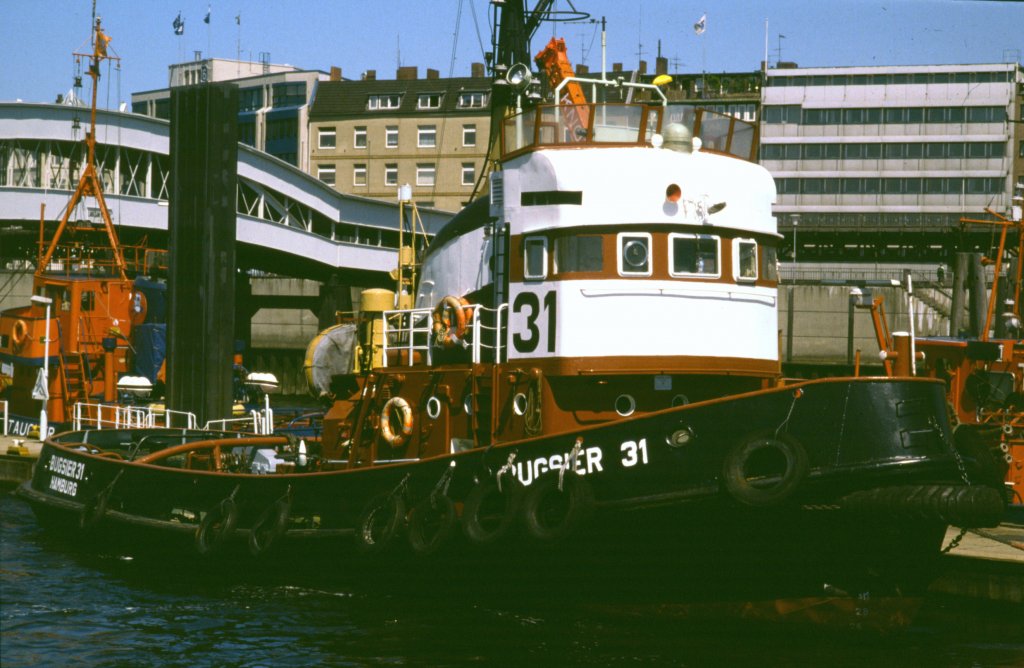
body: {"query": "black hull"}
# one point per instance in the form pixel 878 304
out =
pixel 837 476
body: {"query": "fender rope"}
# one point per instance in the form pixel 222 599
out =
pixel 573 457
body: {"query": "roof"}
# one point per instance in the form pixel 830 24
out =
pixel 336 99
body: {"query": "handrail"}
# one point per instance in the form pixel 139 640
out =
pixel 124 417
pixel 410 336
pixel 214 444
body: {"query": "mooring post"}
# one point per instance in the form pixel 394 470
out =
pixel 201 225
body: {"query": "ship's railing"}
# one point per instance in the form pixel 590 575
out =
pixel 595 124
pixel 259 422
pixel 113 416
pixel 409 339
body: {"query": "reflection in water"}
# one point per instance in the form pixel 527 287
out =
pixel 59 608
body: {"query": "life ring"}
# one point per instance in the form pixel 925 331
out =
pixel 488 513
pixel 270 526
pixel 446 333
pixel 551 514
pixel 216 526
pixel 380 523
pixel 764 469
pixel 19 334
pixel 431 523
pixel 387 433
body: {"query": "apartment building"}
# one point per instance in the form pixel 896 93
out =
pixel 885 161
pixel 273 101
pixel 370 136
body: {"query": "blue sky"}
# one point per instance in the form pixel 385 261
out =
pixel 357 35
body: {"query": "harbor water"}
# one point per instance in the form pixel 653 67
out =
pixel 59 607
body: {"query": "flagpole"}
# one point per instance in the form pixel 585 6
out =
pixel 766 47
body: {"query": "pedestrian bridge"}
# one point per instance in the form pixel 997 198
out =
pixel 288 221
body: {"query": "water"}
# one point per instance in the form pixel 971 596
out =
pixel 60 608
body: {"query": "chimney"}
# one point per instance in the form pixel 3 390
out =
pixel 582 69
pixel 643 67
pixel 476 70
pixel 433 74
pixel 616 67
pixel 409 72
pixel 335 73
pixel 661 65
pixel 370 75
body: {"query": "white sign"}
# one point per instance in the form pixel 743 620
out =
pixel 41 390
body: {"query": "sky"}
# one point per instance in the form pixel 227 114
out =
pixel 359 35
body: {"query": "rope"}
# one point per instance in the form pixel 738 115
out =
pixel 506 469
pixel 796 395
pixel 441 488
pixel 573 458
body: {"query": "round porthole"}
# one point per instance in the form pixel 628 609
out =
pixel 433 408
pixel 625 405
pixel 635 254
pixel 519 404
pixel 680 400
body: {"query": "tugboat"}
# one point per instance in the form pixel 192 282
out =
pixel 587 369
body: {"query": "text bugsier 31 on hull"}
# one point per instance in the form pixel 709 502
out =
pixel 590 362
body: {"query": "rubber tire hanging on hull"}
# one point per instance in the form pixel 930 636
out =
pixel 270 526
pixel 431 524
pixel 551 514
pixel 380 523
pixel 489 514
pixel 752 486
pixel 93 510
pixel 216 526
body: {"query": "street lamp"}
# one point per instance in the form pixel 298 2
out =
pixel 44 378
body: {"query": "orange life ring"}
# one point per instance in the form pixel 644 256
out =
pixel 19 334
pixel 388 434
pixel 446 333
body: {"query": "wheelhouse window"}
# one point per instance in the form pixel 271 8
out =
pixel 745 259
pixel 634 254
pixel 579 253
pixel 535 258
pixel 695 255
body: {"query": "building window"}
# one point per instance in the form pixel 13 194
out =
pixel 426 173
pixel 535 258
pixel 289 94
pixel 427 136
pixel 469 134
pixel 782 114
pixel 468 174
pixel 634 254
pixel 694 255
pixel 250 99
pixel 391 174
pixel 328 138
pixel 1020 149
pixel 391 136
pixel 359 137
pixel 359 174
pixel 472 100
pixel 745 260
pixel 326 173
pixel 390 101
pixel 428 101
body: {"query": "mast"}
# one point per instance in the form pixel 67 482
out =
pixel 89 184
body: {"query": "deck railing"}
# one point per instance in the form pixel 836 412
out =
pixel 409 336
pixel 111 416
